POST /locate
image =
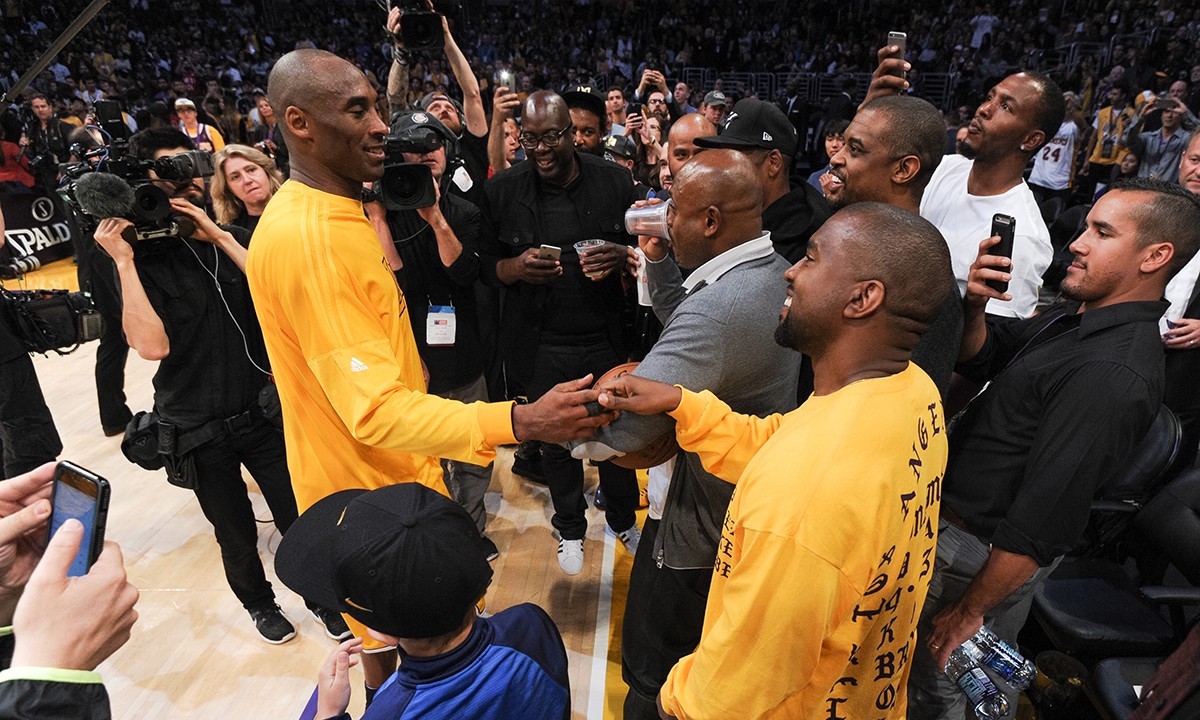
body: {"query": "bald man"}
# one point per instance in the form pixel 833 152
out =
pixel 681 140
pixel 356 414
pixel 566 315
pixel 819 574
pixel 717 336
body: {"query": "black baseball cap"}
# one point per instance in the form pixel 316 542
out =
pixel 587 98
pixel 403 559
pixel 755 124
pixel 715 98
pixel 620 145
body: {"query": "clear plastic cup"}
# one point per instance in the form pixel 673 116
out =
pixel 583 247
pixel 649 220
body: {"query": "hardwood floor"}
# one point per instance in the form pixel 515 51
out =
pixel 194 652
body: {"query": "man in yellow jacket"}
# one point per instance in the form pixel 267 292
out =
pixel 827 548
pixel 350 380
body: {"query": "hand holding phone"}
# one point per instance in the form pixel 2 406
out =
pixel 900 40
pixel 1003 227
pixel 81 495
pixel 549 252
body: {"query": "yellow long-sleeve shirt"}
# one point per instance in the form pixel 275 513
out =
pixel 826 553
pixel 342 351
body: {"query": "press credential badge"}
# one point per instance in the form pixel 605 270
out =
pixel 439 326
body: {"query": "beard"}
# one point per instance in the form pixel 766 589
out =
pixel 787 335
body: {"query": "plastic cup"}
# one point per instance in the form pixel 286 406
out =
pixel 582 248
pixel 649 220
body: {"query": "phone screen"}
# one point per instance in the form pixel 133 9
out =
pixel 83 498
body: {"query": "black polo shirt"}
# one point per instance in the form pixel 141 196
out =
pixel 426 281
pixel 207 374
pixel 1071 395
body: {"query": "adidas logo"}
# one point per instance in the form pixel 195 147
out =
pixel 767 136
pixel 357 365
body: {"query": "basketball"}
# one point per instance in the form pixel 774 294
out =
pixel 659 450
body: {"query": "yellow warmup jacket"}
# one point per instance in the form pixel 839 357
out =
pixel 341 348
pixel 826 553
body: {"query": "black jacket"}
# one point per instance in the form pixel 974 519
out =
pixel 512 224
pixel 793 218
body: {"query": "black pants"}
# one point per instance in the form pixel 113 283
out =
pixel 113 351
pixel 27 431
pixel 664 613
pixel 225 502
pixel 564 475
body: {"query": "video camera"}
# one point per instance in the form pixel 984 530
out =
pixel 420 28
pixel 109 182
pixel 405 185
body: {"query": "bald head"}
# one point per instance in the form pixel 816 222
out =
pixel 326 109
pixel 546 105
pixel 309 79
pixel 718 205
pixel 903 251
pixel 681 141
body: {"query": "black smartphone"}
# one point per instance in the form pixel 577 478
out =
pixel 83 495
pixel 1003 227
pixel 634 109
pixel 901 40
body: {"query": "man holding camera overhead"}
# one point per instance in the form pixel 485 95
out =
pixel 430 240
pixel 185 304
pixel 467 120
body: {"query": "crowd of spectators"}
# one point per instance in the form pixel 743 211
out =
pixel 217 52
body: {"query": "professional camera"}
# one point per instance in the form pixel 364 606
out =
pixel 18 267
pixel 109 182
pixel 405 185
pixel 421 29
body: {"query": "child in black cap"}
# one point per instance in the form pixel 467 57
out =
pixel 409 564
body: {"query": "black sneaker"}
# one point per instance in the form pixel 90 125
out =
pixel 493 552
pixel 335 626
pixel 272 625
pixel 529 466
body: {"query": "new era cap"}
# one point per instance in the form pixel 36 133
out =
pixel 403 559
pixel 755 124
pixel 586 97
pixel 715 97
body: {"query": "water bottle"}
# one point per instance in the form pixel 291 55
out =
pixel 1004 660
pixel 989 703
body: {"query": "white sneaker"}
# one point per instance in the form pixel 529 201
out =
pixel 570 556
pixel 630 538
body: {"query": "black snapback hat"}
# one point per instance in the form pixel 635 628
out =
pixel 586 97
pixel 755 124
pixel 403 560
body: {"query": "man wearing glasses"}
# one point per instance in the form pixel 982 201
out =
pixel 566 316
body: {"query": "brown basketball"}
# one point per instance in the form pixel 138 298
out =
pixel 659 450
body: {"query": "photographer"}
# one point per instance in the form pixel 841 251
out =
pixel 468 121
pixel 46 142
pixel 27 433
pixel 433 251
pixel 186 304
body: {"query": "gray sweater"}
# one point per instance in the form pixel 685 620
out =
pixel 721 337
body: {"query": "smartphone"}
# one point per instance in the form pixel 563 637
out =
pixel 1164 104
pixel 1004 227
pixel 901 40
pixel 549 252
pixel 634 109
pixel 83 495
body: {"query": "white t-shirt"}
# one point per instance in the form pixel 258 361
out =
pixel 965 220
pixel 1052 164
